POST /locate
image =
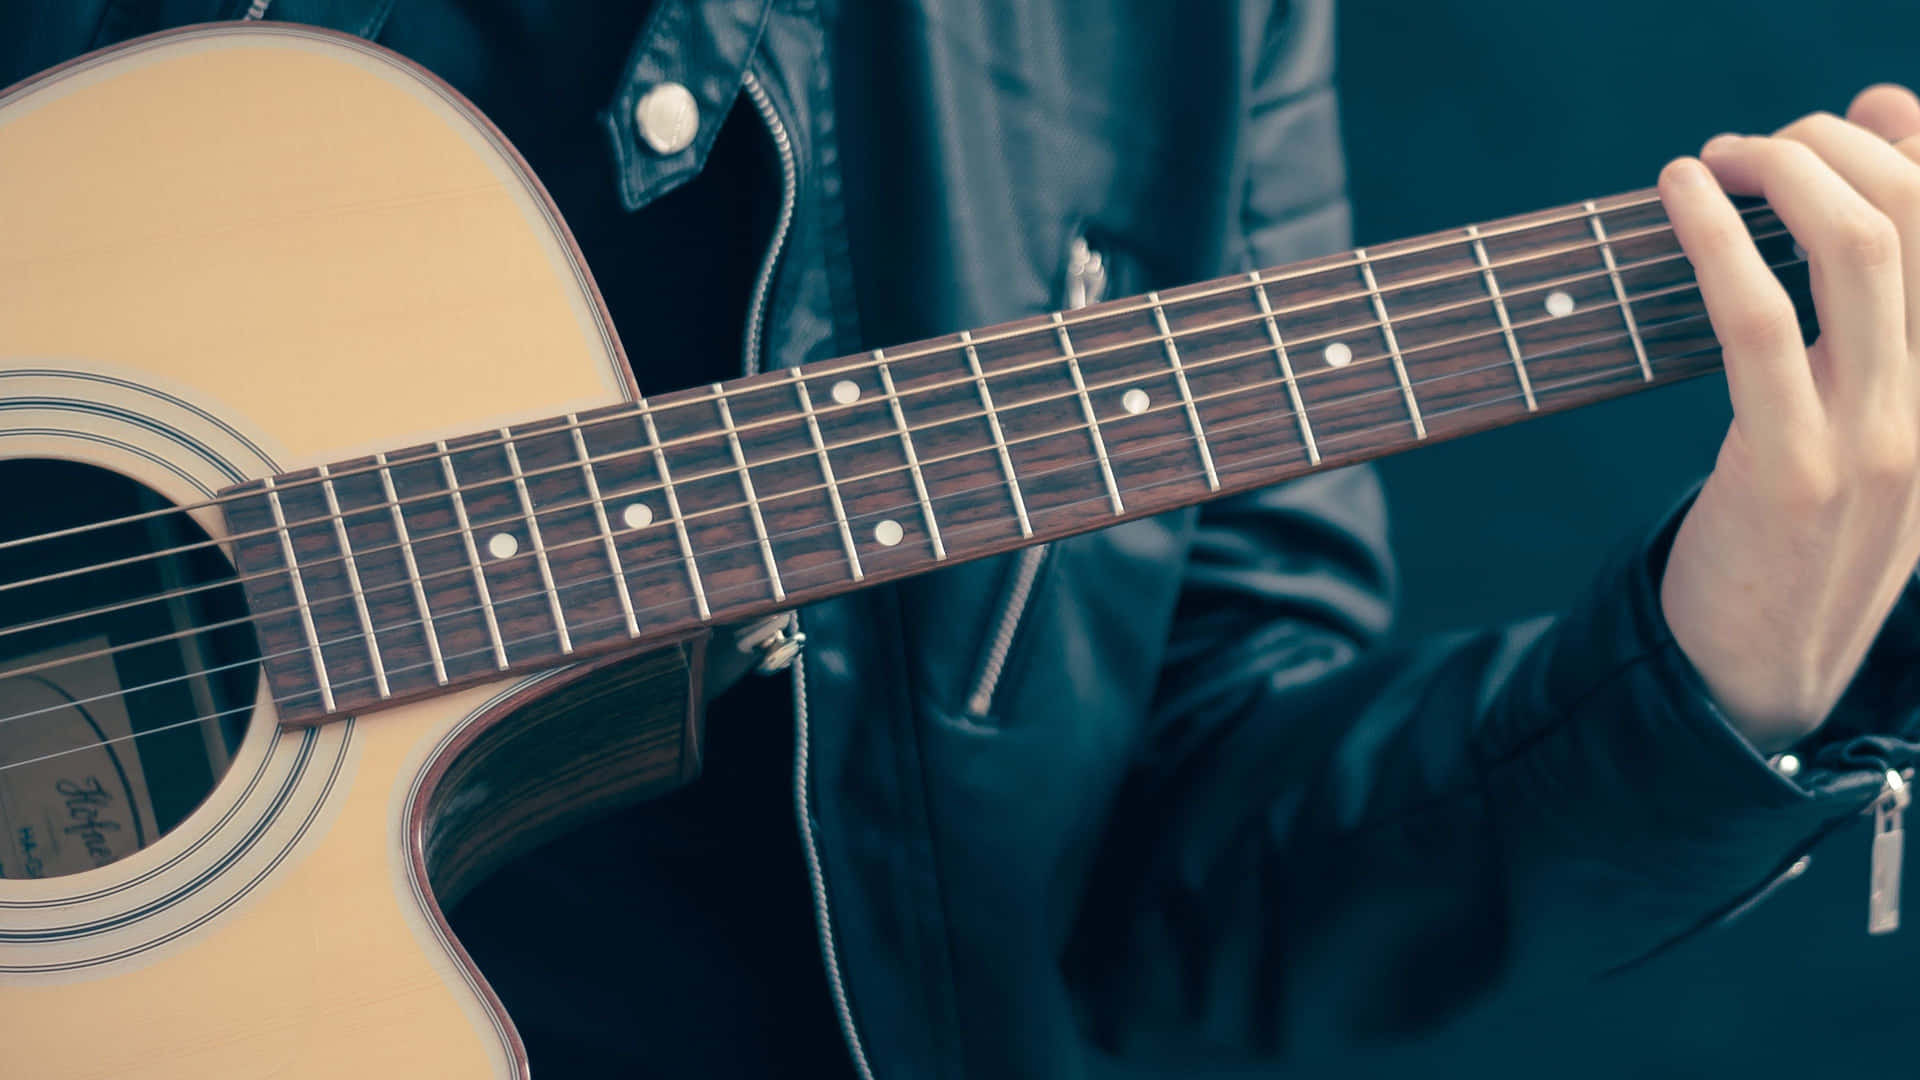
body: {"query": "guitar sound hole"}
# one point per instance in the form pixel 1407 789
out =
pixel 122 694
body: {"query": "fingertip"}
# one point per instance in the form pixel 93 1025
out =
pixel 1684 174
pixel 1721 145
pixel 1889 110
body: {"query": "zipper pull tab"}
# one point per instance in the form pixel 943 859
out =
pixel 1889 852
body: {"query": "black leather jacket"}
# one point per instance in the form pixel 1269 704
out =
pixel 1158 796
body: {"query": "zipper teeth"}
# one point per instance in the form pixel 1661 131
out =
pixel 1086 281
pixel 256 10
pixel 789 175
pixel 802 795
pixel 1024 575
pixel 822 914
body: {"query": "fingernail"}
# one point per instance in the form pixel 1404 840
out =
pixel 1720 144
pixel 1688 172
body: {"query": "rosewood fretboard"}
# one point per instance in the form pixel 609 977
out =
pixel 386 578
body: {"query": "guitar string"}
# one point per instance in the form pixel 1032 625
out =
pixel 681 519
pixel 743 545
pixel 809 489
pixel 1151 447
pixel 629 412
pixel 1098 313
pixel 485 486
pixel 756 586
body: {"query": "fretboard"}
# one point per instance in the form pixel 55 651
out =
pixel 428 568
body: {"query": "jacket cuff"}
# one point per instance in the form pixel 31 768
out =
pixel 1644 797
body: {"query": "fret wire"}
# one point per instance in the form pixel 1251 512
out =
pixel 673 510
pixel 413 570
pixel 746 486
pixel 999 440
pixel 1393 345
pixel 202 719
pixel 1432 311
pixel 1282 275
pixel 826 473
pixel 299 594
pixel 1186 395
pixel 1561 384
pixel 1286 366
pixel 353 582
pixel 913 460
pixel 1500 309
pixel 539 547
pixel 606 528
pixel 1619 291
pixel 1601 373
pixel 1086 409
pixel 473 555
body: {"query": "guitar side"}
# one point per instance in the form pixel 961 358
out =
pixel 235 250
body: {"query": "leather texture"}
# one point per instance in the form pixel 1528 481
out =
pixel 1208 815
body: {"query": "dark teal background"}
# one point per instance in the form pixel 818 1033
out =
pixel 1464 110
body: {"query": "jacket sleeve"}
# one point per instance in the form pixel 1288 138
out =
pixel 1331 841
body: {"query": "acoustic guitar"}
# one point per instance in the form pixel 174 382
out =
pixel 340 557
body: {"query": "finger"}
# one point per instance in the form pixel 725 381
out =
pixel 1884 176
pixel 1889 111
pixel 1767 373
pixel 1853 255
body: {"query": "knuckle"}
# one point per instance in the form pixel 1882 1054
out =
pixel 1808 481
pixel 1866 237
pixel 1764 322
pixel 1886 455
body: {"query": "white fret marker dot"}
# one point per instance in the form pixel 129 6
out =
pixel 1559 304
pixel 888 532
pixel 636 516
pixel 1338 355
pixel 502 545
pixel 846 392
pixel 1134 401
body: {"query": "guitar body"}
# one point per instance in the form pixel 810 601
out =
pixel 204 237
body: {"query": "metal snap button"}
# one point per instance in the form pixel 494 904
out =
pixel 667 118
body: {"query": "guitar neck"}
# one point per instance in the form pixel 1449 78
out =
pixel 425 569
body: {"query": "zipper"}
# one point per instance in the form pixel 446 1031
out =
pixel 802 792
pixel 1889 852
pixel 1025 572
pixel 817 878
pixel 1086 283
pixel 256 10
pixel 789 195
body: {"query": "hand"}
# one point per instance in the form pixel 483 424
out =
pixel 1809 526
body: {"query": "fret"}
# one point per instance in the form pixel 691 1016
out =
pixel 413 572
pixel 539 546
pixel 826 473
pixel 673 510
pixel 352 568
pixel 1393 344
pixel 1086 409
pixel 1286 366
pixel 999 439
pixel 1506 323
pixel 1129 407
pixel 473 555
pixel 606 528
pixel 1619 290
pixel 1186 394
pixel 295 579
pixel 746 487
pixel 913 459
